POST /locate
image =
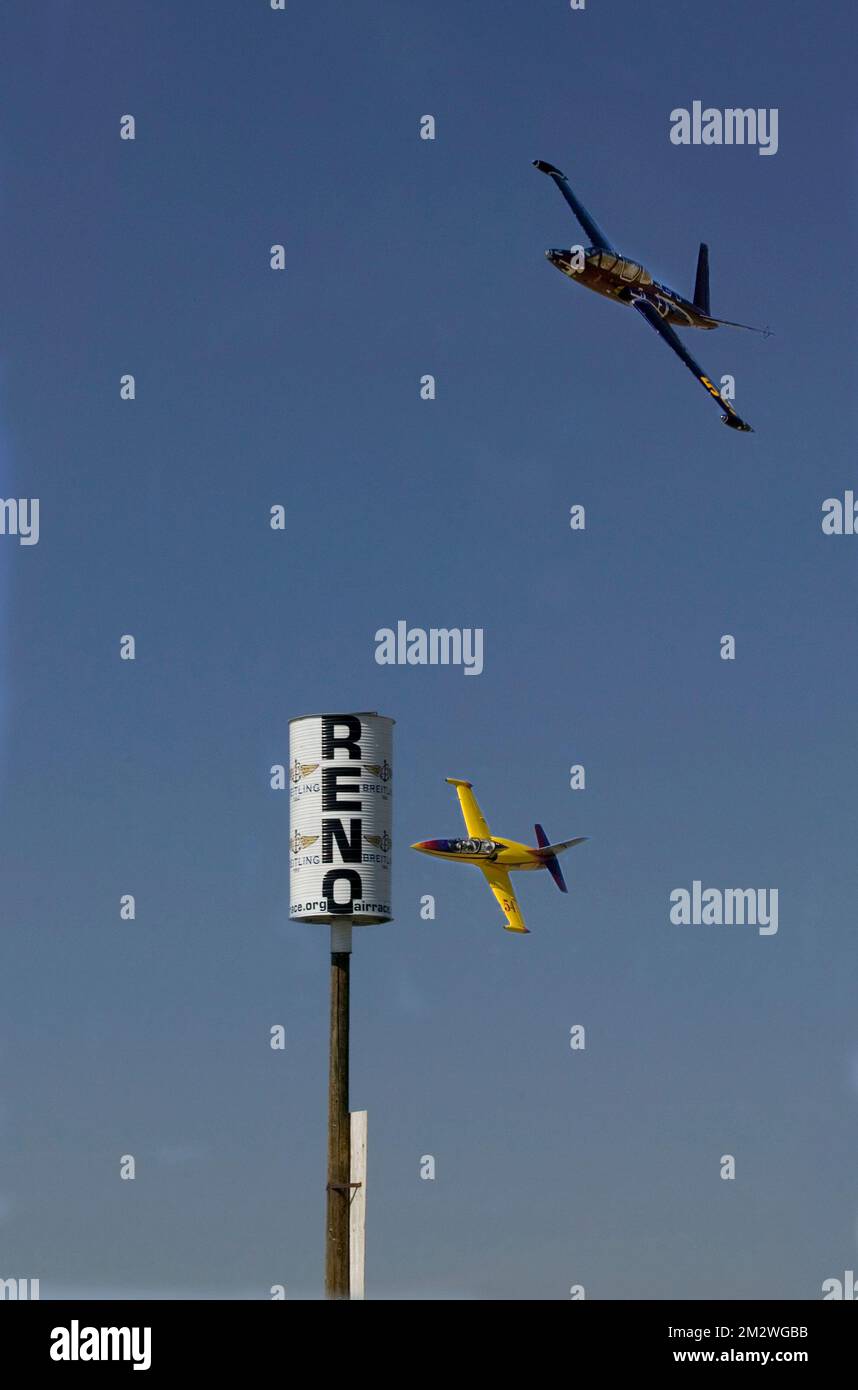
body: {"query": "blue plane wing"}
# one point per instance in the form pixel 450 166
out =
pixel 593 230
pixel 664 330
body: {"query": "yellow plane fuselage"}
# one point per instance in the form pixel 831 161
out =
pixel 508 853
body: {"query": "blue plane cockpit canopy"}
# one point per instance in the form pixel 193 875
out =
pixel 627 270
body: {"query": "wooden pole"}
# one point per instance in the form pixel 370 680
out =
pixel 339 1142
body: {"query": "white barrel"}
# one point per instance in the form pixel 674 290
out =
pixel 341 818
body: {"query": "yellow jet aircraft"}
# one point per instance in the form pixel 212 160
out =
pixel 497 857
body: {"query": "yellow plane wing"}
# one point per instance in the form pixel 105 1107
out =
pixel 475 821
pixel 501 887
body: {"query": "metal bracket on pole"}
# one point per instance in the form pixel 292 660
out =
pixel 341 938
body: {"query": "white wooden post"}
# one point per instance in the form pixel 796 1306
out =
pixel 357 1207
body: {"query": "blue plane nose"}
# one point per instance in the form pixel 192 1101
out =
pixel 433 846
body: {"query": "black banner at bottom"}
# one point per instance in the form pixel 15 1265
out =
pixel 163 1338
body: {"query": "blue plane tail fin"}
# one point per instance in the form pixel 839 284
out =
pixel 701 281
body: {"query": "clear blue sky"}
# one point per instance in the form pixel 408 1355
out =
pixel 253 388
